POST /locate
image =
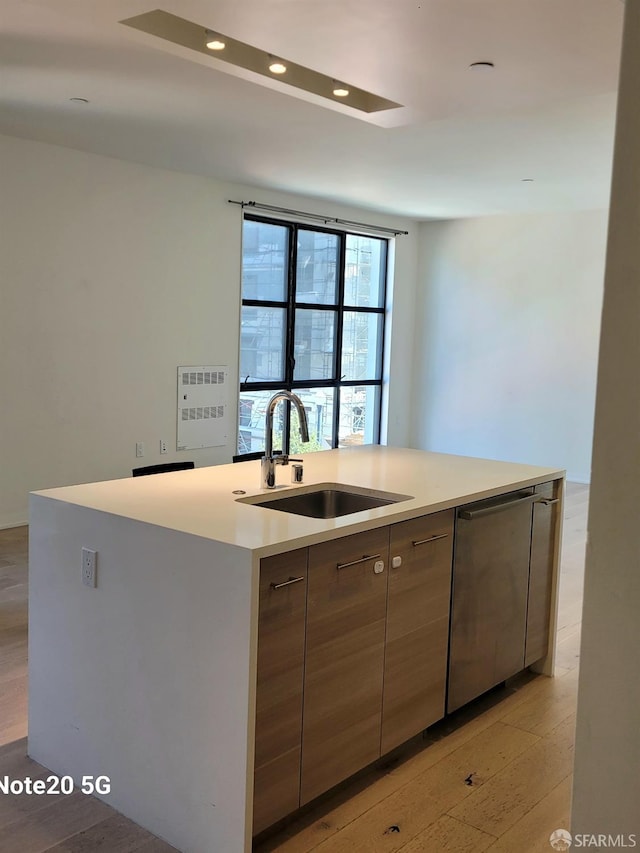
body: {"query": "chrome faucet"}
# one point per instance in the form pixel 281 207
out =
pixel 269 461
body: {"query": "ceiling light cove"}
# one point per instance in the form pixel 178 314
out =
pixel 194 36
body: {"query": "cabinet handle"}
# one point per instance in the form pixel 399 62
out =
pixel 549 501
pixel 357 562
pixel 430 539
pixel 286 583
pixel 470 514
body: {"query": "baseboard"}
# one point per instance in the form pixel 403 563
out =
pixel 11 524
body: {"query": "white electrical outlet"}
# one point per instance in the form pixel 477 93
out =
pixel 89 567
pixel 163 446
pixel 139 448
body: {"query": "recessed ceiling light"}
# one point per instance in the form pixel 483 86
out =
pixel 340 90
pixel 276 66
pixel 79 100
pixel 482 66
pixel 256 61
pixel 214 41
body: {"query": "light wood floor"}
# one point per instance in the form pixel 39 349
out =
pixel 496 776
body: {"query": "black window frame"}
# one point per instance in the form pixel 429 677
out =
pixel 290 305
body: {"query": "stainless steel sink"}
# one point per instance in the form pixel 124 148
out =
pixel 325 500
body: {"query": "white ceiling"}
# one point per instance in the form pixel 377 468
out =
pixel 460 146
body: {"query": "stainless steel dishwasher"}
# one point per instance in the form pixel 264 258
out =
pixel 489 598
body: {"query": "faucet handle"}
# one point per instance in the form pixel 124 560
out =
pixel 280 458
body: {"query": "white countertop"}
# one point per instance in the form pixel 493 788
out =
pixel 201 501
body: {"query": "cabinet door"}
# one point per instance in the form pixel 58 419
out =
pixel 545 519
pixel 346 612
pixel 415 666
pixel 281 631
pixel 490 587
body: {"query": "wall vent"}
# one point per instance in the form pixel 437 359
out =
pixel 203 377
pixel 202 407
pixel 196 414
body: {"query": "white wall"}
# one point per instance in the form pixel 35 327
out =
pixel 111 275
pixel 606 790
pixel 507 328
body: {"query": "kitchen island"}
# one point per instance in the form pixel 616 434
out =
pixel 150 677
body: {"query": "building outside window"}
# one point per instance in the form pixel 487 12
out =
pixel 312 322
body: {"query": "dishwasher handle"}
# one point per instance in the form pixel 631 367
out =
pixel 470 514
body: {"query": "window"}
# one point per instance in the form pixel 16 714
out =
pixel 312 322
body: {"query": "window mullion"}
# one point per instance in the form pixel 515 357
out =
pixel 291 312
pixel 337 368
pixel 291 323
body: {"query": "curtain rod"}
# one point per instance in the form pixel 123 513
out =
pixel 256 205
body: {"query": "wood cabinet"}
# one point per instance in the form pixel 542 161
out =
pixel 546 516
pixel 360 639
pixel 346 612
pixel 351 659
pixel 415 666
pixel 281 635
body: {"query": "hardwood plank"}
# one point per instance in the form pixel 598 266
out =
pixel 416 805
pixel 116 834
pixel 449 834
pixel 42 829
pixel 13 732
pixel 16 764
pixel 514 791
pixel 15 538
pixel 568 652
pixel 14 759
pixel 13 706
pixel 532 831
pixel 13 656
pixel 156 845
pixel 12 612
pixel 542 714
